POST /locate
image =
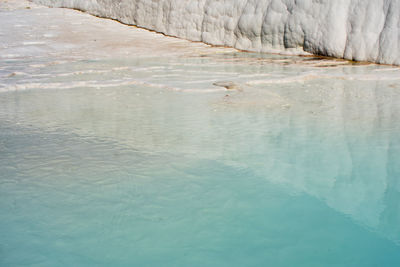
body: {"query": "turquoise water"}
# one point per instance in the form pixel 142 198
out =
pixel 143 162
pixel 120 147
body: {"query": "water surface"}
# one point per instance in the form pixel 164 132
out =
pixel 134 157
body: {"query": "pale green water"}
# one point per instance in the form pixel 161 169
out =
pixel 142 161
pixel 164 173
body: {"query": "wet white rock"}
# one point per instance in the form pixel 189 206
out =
pixel 365 30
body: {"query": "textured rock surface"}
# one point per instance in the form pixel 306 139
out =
pixel 362 30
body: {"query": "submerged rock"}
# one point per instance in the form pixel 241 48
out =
pixel 228 85
pixel 356 30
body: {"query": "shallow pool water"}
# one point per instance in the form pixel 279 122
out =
pixel 141 160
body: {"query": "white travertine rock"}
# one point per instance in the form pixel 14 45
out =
pixel 362 30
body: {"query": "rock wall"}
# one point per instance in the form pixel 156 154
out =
pixel 361 30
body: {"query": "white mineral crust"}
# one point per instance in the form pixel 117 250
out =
pixel 362 30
